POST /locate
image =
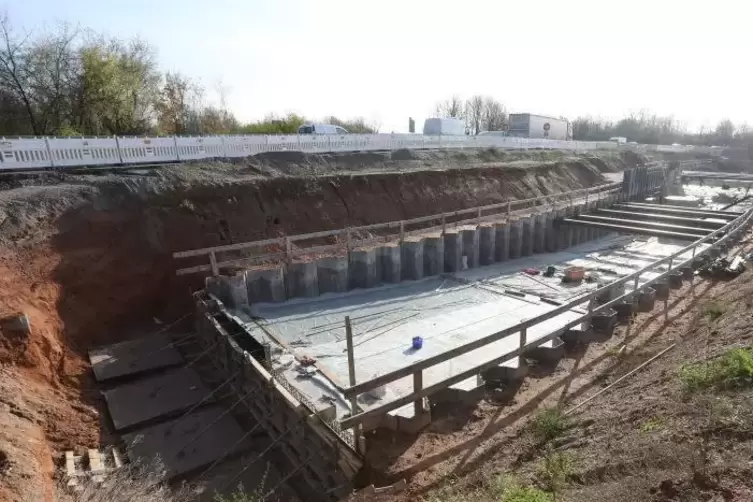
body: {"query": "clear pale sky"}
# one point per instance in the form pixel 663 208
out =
pixel 387 60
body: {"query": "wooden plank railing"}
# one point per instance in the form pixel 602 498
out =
pixel 718 236
pixel 290 246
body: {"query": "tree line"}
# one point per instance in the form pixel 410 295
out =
pixel 480 113
pixel 648 128
pixel 75 82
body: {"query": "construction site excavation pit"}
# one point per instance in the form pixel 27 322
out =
pixel 236 369
pixel 474 301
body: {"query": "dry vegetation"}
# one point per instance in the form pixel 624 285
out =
pixel 680 430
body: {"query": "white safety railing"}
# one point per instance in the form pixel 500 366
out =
pixel 36 153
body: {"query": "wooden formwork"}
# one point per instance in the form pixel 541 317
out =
pixel 321 456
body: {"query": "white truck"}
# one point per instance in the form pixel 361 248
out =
pixel 321 129
pixel 444 126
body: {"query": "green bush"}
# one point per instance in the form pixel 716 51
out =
pixel 549 424
pixel 733 370
pixel 555 470
pixel 517 493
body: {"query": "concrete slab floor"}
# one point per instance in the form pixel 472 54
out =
pixel 138 402
pixel 180 447
pixel 134 356
pixel 447 312
pixel 707 193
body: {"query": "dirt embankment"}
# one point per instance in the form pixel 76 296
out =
pixel 678 430
pixel 88 256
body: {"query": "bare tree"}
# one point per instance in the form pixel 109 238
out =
pixel 494 115
pixel 725 131
pixel 40 75
pixel 177 103
pixel 451 108
pixel 14 79
pixel 53 69
pixel 474 113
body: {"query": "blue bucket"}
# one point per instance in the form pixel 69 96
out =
pixel 418 342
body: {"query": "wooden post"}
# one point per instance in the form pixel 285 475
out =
pixel 666 301
pixel 692 277
pixel 348 242
pixel 402 231
pixel 213 263
pixel 444 223
pixel 509 206
pixel 352 378
pixel 418 385
pixel 478 216
pixel 523 337
pixel 288 249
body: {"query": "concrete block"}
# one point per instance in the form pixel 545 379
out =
pixel 646 299
pixel 469 391
pixel 471 246
pixel 582 234
pixel 181 450
pixel 514 369
pixel 612 293
pixel 578 334
pixel 390 264
pixel 687 273
pixel 502 242
pixel 604 322
pixel 528 236
pixel 238 291
pixel 131 357
pixel 150 398
pixel 624 309
pixel 412 260
pixel 363 268
pixel 302 279
pixel 662 290
pixel 572 235
pixel 433 256
pixel 561 231
pixel 487 245
pixel 219 286
pixel 516 239
pixel 539 239
pixel 675 279
pixel 453 251
pixel 549 352
pixel 267 285
pixel 552 243
pixel 332 274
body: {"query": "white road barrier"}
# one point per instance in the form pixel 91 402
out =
pixel 36 153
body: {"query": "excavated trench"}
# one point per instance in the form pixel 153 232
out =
pixel 88 258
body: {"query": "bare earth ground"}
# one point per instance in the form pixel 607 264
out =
pixel 643 440
pixel 87 256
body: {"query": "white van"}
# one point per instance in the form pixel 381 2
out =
pixel 321 129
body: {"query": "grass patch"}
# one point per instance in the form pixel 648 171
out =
pixel 712 311
pixel 549 424
pixel 652 425
pixel 555 470
pixel 498 489
pixel 732 370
